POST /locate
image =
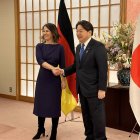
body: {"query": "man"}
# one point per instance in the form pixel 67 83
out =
pixel 91 79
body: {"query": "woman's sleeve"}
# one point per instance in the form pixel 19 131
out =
pixel 39 55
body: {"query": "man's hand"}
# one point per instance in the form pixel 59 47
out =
pixel 101 94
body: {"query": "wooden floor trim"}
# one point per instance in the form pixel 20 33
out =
pixel 8 96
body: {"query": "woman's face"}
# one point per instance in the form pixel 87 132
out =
pixel 47 35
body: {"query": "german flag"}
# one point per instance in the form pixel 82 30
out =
pixel 69 95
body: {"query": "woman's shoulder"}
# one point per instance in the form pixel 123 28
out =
pixel 54 45
pixel 39 44
pixel 61 46
pixel 58 45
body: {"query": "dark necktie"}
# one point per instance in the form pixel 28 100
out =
pixel 81 51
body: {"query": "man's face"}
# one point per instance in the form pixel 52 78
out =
pixel 82 34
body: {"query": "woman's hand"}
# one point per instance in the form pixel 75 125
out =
pixel 56 71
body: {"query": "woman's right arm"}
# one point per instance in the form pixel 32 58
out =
pixel 40 60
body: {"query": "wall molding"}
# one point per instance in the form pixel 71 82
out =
pixel 8 96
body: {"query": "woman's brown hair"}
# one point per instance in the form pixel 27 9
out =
pixel 52 27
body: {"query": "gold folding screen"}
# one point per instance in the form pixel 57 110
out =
pixel 33 14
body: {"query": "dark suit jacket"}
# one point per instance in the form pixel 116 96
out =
pixel 91 71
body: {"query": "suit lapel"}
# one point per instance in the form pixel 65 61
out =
pixel 87 50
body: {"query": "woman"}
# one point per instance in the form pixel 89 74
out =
pixel 47 104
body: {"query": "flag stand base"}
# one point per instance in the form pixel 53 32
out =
pixel 134 130
pixel 72 118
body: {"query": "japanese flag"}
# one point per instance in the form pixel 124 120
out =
pixel 134 91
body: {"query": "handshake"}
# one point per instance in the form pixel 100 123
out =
pixel 57 71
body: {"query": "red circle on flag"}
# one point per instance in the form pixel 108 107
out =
pixel 135 66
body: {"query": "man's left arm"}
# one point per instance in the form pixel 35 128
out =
pixel 101 59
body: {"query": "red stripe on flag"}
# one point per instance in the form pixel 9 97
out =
pixel 135 66
pixel 69 58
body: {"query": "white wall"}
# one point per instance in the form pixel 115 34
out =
pixel 7 47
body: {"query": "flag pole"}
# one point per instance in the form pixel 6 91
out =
pixel 134 90
pixel 72 119
pixel 67 41
pixel 134 130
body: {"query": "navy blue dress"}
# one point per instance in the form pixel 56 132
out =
pixel 47 101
